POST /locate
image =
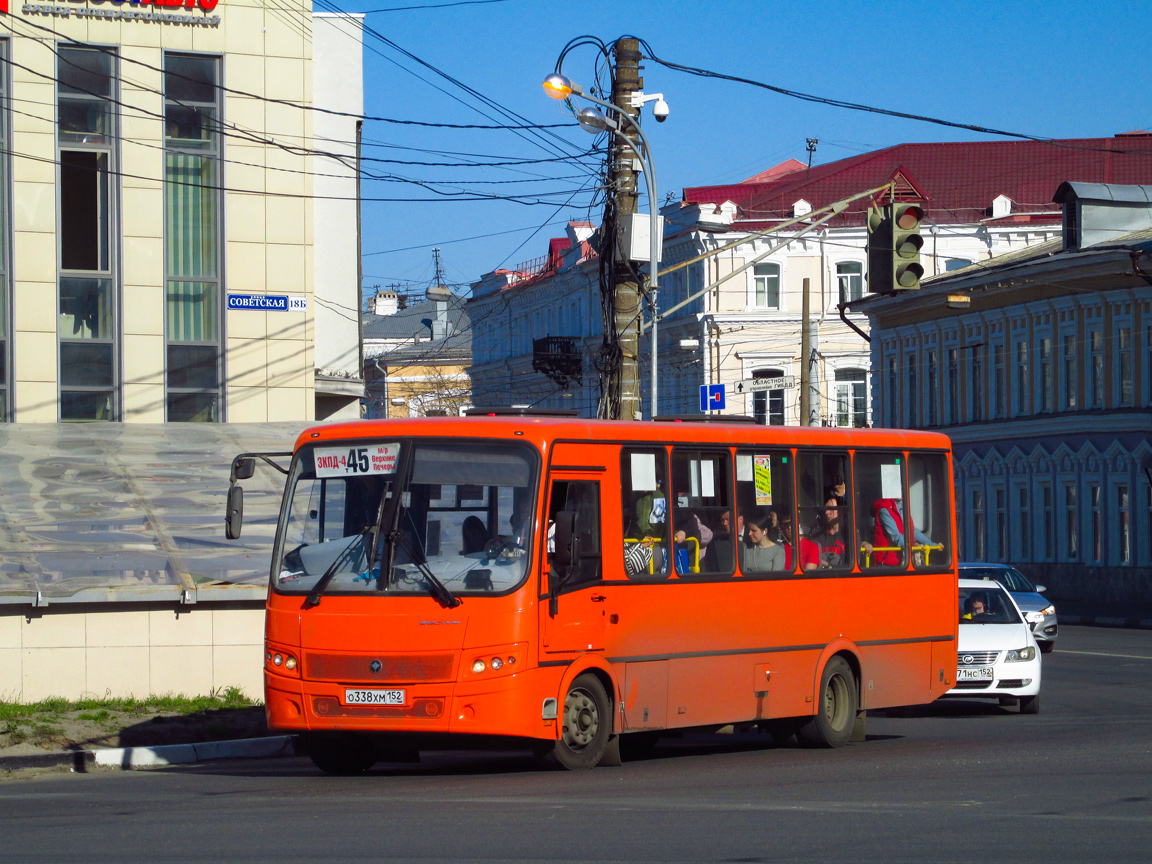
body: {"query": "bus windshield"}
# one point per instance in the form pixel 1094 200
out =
pixel 464 514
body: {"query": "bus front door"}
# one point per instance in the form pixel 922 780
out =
pixel 574 620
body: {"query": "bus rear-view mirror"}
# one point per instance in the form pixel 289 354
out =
pixel 234 518
pixel 243 467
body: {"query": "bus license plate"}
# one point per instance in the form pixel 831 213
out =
pixel 984 673
pixel 373 697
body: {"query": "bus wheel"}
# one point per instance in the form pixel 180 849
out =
pixel 587 724
pixel 340 753
pixel 831 725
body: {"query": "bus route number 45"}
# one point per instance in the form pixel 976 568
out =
pixel 345 461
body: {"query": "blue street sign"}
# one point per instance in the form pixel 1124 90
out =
pixel 711 397
pixel 268 302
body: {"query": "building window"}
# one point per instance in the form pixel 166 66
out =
pixel 976 387
pixel 1148 366
pixel 767 283
pixel 953 386
pixel 87 325
pixel 956 264
pixel 911 384
pixel 933 389
pixel 893 396
pixel 1072 524
pixel 1049 551
pixel 1123 524
pixel 1023 525
pixel 1069 372
pixel 999 383
pixel 1148 523
pixel 850 280
pixel 851 397
pixel 1001 551
pixel 1124 365
pixel 5 365
pixel 1023 388
pixel 1094 519
pixel 193 313
pixel 768 405
pixel 1096 370
pixel 1045 374
pixel 977 525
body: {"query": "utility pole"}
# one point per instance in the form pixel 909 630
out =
pixel 805 350
pixel 623 392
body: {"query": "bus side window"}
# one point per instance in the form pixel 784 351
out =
pixel 582 498
pixel 826 534
pixel 764 503
pixel 880 509
pixel 644 509
pixel 702 512
pixel 928 510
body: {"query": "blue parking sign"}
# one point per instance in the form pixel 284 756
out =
pixel 711 397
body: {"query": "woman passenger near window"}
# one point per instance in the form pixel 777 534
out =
pixel 764 554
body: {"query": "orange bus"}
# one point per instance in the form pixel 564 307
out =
pixel 581 585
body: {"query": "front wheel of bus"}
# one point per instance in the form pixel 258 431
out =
pixel 340 753
pixel 831 725
pixel 587 724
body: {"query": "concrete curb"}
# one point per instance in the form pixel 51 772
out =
pixel 129 758
pixel 1102 621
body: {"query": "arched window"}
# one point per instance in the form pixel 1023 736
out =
pixel 850 280
pixel 768 405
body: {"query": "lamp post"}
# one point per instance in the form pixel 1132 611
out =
pixel 559 86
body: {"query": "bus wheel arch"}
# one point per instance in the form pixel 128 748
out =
pixel 585 723
pixel 837 702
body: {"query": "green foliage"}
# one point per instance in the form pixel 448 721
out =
pixel 101 709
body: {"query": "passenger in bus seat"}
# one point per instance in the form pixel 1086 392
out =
pixel 687 525
pixel 824 547
pixel 764 555
pixel 888 531
pixel 475 535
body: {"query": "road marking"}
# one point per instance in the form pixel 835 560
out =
pixel 1102 654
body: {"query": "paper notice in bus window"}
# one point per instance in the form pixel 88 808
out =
pixel 707 478
pixel 890 482
pixel 643 472
pixel 762 467
pixel 355 461
pixel 744 468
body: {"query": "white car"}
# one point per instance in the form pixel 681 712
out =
pixel 996 653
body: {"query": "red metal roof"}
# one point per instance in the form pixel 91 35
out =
pixel 957 180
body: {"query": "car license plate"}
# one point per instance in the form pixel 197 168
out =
pixel 373 697
pixel 984 673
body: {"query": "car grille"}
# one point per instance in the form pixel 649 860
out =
pixel 394 669
pixel 1010 683
pixel 973 685
pixel 978 658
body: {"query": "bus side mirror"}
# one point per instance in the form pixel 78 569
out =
pixel 234 518
pixel 243 467
pixel 567 553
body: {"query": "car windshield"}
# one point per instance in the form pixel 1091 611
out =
pixel 987 606
pixel 1009 577
pixel 465 515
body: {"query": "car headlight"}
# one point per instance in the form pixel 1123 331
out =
pixel 1021 654
pixel 1048 610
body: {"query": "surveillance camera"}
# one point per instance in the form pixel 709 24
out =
pixel 660 110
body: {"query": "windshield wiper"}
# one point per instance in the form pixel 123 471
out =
pixel 435 587
pixel 388 522
pixel 313 597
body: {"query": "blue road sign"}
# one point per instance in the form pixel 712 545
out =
pixel 711 397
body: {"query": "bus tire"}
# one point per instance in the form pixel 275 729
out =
pixel 342 754
pixel 831 725
pixel 586 725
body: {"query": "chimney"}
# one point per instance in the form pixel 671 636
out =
pixel 385 303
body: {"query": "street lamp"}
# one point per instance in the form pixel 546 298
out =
pixel 559 86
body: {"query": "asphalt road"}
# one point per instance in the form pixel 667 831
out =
pixel 956 781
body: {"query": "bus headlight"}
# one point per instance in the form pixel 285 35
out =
pixel 478 666
pixel 496 661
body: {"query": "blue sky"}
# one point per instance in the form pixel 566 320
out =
pixel 1052 69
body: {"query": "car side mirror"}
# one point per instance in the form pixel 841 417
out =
pixel 1040 589
pixel 234 517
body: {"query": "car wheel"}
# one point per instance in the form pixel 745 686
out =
pixel 586 725
pixel 1030 704
pixel 340 753
pixel 831 725
pixel 1047 647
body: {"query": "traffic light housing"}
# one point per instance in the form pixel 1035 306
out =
pixel 906 246
pixel 879 246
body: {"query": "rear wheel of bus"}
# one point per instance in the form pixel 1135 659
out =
pixel 586 726
pixel 341 753
pixel 831 725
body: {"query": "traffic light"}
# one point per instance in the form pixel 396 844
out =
pixel 906 245
pixel 880 250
